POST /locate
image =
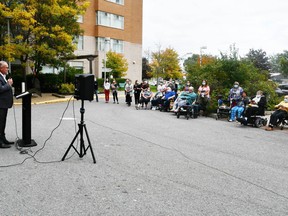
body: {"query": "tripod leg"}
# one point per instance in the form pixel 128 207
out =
pixel 89 144
pixel 82 146
pixel 71 145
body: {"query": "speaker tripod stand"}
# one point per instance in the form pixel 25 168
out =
pixel 81 130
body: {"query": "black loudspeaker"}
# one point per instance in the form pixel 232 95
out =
pixel 84 87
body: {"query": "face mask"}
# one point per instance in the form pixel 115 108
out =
pixel 203 83
pixel 258 96
pixel 286 100
pixel 235 86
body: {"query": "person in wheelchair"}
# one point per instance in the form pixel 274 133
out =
pixel 240 107
pixel 187 100
pixel 256 107
pixel 279 114
pixel 146 96
pixel 180 97
pixel 156 100
pixel 166 99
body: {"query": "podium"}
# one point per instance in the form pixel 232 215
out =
pixel 26 140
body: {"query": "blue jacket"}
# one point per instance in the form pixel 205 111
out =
pixel 169 94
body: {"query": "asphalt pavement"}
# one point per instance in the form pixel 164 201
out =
pixel 147 163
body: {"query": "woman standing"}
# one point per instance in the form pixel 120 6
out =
pixel 128 92
pixel 137 91
pixel 114 88
pixel 107 90
pixel 204 96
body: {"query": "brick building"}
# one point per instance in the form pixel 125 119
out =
pixel 114 25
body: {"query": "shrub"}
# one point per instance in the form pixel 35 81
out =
pixel 66 88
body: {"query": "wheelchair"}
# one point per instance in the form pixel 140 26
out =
pixel 189 111
pixel 257 119
pixel 156 101
pixel 224 108
pixel 166 106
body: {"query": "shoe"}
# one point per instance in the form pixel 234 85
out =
pixel 5 141
pixel 230 120
pixel 2 145
pixel 117 102
pixel 269 129
pixel 114 102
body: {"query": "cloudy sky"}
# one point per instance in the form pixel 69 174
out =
pixel 187 25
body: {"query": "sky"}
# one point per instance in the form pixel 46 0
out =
pixel 188 25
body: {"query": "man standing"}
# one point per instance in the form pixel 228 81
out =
pixel 6 101
pixel 96 89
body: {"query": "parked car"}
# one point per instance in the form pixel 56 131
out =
pixel 282 89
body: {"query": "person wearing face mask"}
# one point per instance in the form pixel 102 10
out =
pixel 239 108
pixel 204 96
pixel 280 113
pixel 128 92
pixel 137 91
pixel 107 86
pixel 235 94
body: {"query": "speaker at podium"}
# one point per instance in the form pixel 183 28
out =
pixel 26 140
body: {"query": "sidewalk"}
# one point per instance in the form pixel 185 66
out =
pixel 47 98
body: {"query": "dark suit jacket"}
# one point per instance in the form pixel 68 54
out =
pixel 6 94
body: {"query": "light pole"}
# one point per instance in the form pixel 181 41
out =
pixel 106 40
pixel 8 32
pixel 182 59
pixel 201 48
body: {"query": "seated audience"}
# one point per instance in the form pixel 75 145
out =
pixel 240 107
pixel 279 114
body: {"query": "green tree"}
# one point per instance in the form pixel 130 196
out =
pixel 275 63
pixel 224 71
pixel 165 64
pixel 146 69
pixel 283 57
pixel 42 32
pixel 259 59
pixel 117 63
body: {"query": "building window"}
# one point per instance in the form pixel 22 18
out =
pixel 113 45
pixel 80 19
pixel 110 20
pixel 79 41
pixel 117 1
pixel 117 46
pixel 78 65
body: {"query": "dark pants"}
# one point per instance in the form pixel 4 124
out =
pixel 128 99
pixel 115 96
pixel 251 111
pixel 144 100
pixel 96 94
pixel 136 96
pixel 156 102
pixel 3 117
pixel 276 116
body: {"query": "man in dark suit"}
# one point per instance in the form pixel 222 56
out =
pixel 6 101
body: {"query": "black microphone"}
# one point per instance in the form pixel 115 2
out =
pixel 8 76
